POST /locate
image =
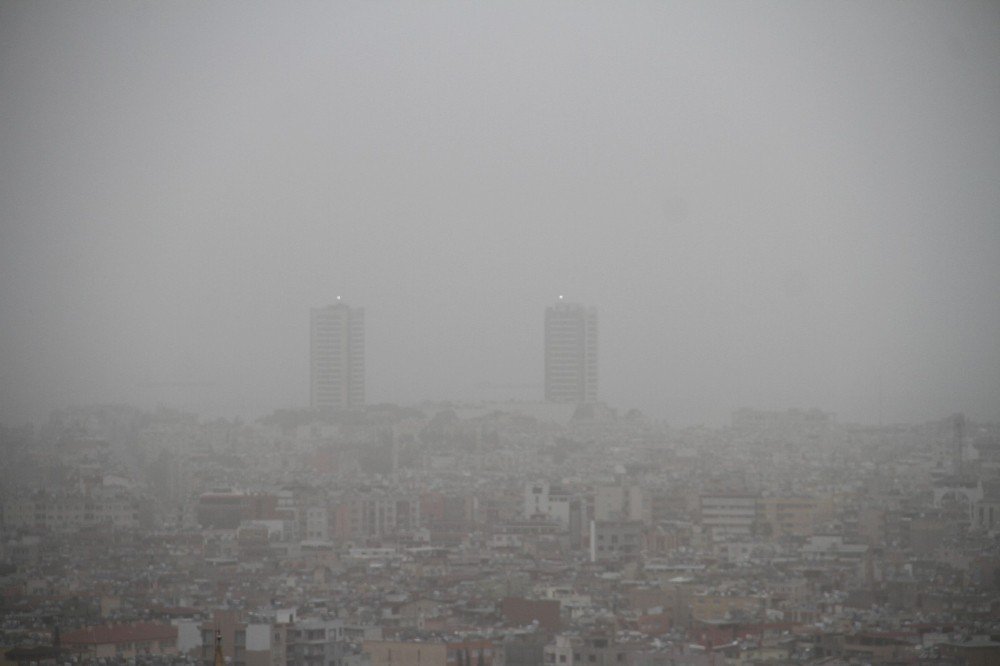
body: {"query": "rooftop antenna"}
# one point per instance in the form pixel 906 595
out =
pixel 219 659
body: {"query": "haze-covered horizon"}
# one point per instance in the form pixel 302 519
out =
pixel 772 205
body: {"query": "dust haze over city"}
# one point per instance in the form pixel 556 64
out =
pixel 771 206
pixel 720 280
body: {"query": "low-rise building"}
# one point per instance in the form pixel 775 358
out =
pixel 124 641
pixel 430 653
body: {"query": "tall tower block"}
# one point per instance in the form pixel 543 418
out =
pixel 337 357
pixel 570 353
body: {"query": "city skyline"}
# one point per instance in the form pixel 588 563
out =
pixel 337 355
pixel 500 334
pixel 785 206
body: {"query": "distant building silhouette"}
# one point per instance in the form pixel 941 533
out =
pixel 337 357
pixel 570 353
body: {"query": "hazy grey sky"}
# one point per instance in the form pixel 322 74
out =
pixel 771 204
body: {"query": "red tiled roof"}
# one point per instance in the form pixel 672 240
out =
pixel 120 633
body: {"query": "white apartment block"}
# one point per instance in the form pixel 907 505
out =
pixel 337 357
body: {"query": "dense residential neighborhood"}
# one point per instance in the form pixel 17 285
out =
pixel 559 333
pixel 498 534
